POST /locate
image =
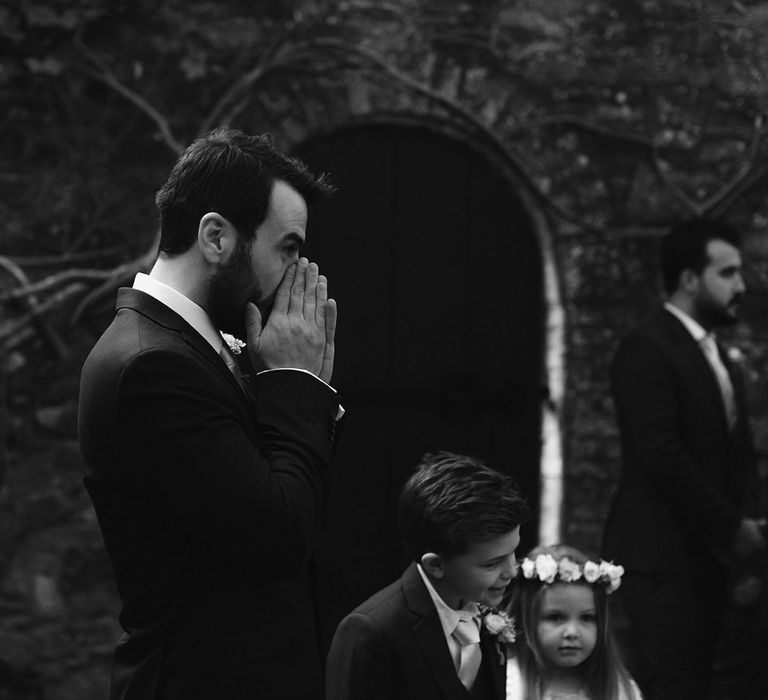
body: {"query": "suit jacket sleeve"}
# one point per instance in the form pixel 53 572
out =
pixel 359 662
pixel 196 460
pixel 645 389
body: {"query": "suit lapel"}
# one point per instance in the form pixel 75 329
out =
pixel 158 312
pixel 429 634
pixel 689 350
pixel 493 654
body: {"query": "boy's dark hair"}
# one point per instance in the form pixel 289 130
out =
pixel 685 248
pixel 453 501
pixel 231 173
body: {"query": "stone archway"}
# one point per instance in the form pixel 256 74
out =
pixel 440 281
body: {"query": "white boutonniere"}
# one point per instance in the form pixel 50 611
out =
pixel 235 345
pixel 501 626
pixel 735 355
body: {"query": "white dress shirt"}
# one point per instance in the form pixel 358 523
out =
pixel 449 618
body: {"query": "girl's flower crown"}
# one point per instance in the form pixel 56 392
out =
pixel 548 569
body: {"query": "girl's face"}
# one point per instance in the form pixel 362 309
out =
pixel 567 625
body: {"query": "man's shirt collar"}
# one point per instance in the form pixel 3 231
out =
pixel 193 314
pixel 693 327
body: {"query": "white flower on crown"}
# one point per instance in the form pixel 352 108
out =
pixel 235 345
pixel 591 571
pixel 568 571
pixel 615 573
pixel 546 567
pixel 529 568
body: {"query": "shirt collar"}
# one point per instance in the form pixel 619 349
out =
pixel 193 314
pixel 449 617
pixel 693 327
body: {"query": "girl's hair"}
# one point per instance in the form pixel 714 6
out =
pixel 604 671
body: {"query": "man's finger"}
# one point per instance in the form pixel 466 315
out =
pixel 330 313
pixel 283 294
pixel 310 294
pixel 299 286
pixel 252 326
pixel 322 298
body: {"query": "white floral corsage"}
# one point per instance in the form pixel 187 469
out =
pixel 501 626
pixel 235 345
pixel 735 355
pixel 547 569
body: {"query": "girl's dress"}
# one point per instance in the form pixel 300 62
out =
pixel 515 687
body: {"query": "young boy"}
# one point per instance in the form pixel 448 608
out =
pixel 422 637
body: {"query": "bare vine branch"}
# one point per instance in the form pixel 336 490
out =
pixel 101 71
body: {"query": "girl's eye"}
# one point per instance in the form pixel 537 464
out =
pixel 589 617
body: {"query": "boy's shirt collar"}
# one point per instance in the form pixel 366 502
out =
pixel 449 617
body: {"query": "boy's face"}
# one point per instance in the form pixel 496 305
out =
pixel 481 574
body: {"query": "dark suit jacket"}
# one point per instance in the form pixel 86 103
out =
pixel 392 647
pixel 208 502
pixel 684 475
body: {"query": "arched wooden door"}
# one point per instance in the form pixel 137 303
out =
pixel 438 278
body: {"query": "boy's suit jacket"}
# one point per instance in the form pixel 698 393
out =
pixel 684 476
pixel 392 647
pixel 208 501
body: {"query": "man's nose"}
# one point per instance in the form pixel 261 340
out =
pixel 739 284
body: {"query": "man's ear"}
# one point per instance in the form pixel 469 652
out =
pixel 216 238
pixel 689 281
pixel 433 564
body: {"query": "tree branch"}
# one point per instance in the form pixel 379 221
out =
pixel 102 72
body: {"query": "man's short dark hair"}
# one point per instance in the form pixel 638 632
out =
pixel 452 502
pixel 685 248
pixel 233 174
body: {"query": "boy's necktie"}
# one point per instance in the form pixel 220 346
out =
pixel 467 634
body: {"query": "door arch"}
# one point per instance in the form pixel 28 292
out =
pixel 436 268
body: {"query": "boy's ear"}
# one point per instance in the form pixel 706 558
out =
pixel 433 564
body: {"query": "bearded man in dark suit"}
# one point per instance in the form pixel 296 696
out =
pixel 681 514
pixel 208 482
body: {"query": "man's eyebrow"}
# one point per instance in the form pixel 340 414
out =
pixel 293 237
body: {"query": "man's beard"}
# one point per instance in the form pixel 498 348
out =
pixel 713 315
pixel 231 289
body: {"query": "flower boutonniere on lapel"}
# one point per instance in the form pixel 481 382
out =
pixel 497 623
pixel 735 355
pixel 235 345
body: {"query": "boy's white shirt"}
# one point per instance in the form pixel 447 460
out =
pixel 449 618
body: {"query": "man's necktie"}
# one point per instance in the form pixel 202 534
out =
pixel 233 367
pixel 467 634
pixel 709 346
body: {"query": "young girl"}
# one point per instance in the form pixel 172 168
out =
pixel 564 648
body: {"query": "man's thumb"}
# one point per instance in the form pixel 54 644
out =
pixel 252 325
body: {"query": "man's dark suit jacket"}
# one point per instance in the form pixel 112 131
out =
pixel 208 502
pixel 392 647
pixel 685 476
